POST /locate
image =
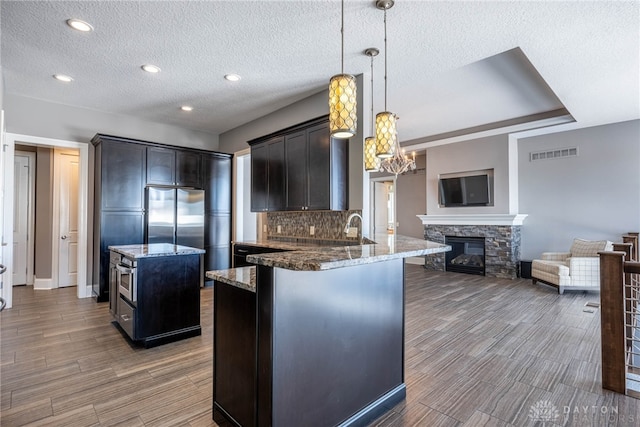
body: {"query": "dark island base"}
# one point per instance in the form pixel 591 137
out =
pixel 160 339
pixel 363 418
pixel 310 348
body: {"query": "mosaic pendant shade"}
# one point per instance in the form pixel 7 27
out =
pixel 386 134
pixel 343 116
pixel 371 161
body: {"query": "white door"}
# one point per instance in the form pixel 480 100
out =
pixel 68 171
pixel 380 208
pixel 23 162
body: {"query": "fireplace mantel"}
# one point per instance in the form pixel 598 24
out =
pixel 473 219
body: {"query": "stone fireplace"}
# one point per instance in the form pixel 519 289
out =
pixel 501 234
pixel 466 255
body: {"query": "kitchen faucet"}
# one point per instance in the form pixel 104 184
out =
pixel 346 227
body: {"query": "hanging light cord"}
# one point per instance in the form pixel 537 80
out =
pixel 342 34
pixel 385 59
pixel 373 126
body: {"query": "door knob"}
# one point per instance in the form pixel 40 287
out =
pixel 63 237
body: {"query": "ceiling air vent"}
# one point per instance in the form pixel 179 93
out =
pixel 553 154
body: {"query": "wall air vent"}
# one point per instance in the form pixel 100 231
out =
pixel 553 154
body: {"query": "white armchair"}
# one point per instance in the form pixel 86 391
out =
pixel 578 269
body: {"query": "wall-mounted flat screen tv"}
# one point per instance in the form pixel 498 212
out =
pixel 465 191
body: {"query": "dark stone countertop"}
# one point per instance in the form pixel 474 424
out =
pixel 241 277
pixel 305 256
pixel 316 258
pixel 154 250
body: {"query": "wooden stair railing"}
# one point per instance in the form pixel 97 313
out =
pixel 619 299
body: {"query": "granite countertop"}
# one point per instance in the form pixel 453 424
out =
pixel 316 258
pixel 294 244
pixel 241 277
pixel 154 250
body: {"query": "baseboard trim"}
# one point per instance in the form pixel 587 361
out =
pixel 42 284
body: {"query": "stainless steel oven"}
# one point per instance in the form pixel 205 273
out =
pixel 127 281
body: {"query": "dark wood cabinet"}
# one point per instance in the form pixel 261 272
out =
pixel 116 228
pixel 118 203
pixel 124 167
pixel 259 174
pixel 217 185
pixel 268 175
pixel 166 166
pixel 276 180
pixel 309 172
pixel 188 169
pixel 167 304
pixel 121 176
pixel 161 168
pixel 241 251
pixel 296 149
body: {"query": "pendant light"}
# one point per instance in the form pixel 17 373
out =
pixel 388 148
pixel 343 119
pixel 371 161
pixel 385 121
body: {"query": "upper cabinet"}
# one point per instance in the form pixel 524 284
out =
pixel 217 183
pixel 188 169
pixel 267 175
pixel 300 168
pixel 161 166
pixel 120 175
pixel 167 166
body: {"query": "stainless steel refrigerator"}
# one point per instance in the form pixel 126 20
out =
pixel 176 216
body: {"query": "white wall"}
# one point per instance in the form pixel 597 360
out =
pixel 478 154
pixel 28 116
pixel 593 196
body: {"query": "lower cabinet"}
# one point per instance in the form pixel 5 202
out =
pixel 240 253
pixel 167 303
pixel 116 228
pixel 127 317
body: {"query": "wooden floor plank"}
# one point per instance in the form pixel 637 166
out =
pixel 478 352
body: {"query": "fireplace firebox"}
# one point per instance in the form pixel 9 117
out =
pixel 466 255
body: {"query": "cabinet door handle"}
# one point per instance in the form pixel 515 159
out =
pixel 63 237
pixel 125 317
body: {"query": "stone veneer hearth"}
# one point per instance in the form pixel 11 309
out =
pixel 501 244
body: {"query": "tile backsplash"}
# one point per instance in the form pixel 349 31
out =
pixel 328 225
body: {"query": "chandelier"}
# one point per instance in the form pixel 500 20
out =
pixel 343 118
pixel 393 158
pixel 399 163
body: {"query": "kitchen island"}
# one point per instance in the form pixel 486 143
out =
pixel 314 336
pixel 155 291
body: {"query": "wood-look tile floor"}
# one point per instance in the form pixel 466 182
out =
pixel 479 352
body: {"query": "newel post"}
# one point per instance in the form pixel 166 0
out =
pixel 612 321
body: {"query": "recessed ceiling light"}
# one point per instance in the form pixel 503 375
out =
pixel 63 78
pixel 232 77
pixel 186 108
pixel 79 25
pixel 151 68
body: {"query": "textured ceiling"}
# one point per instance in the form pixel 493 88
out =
pixel 451 65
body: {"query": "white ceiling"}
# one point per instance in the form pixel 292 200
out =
pixel 452 65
